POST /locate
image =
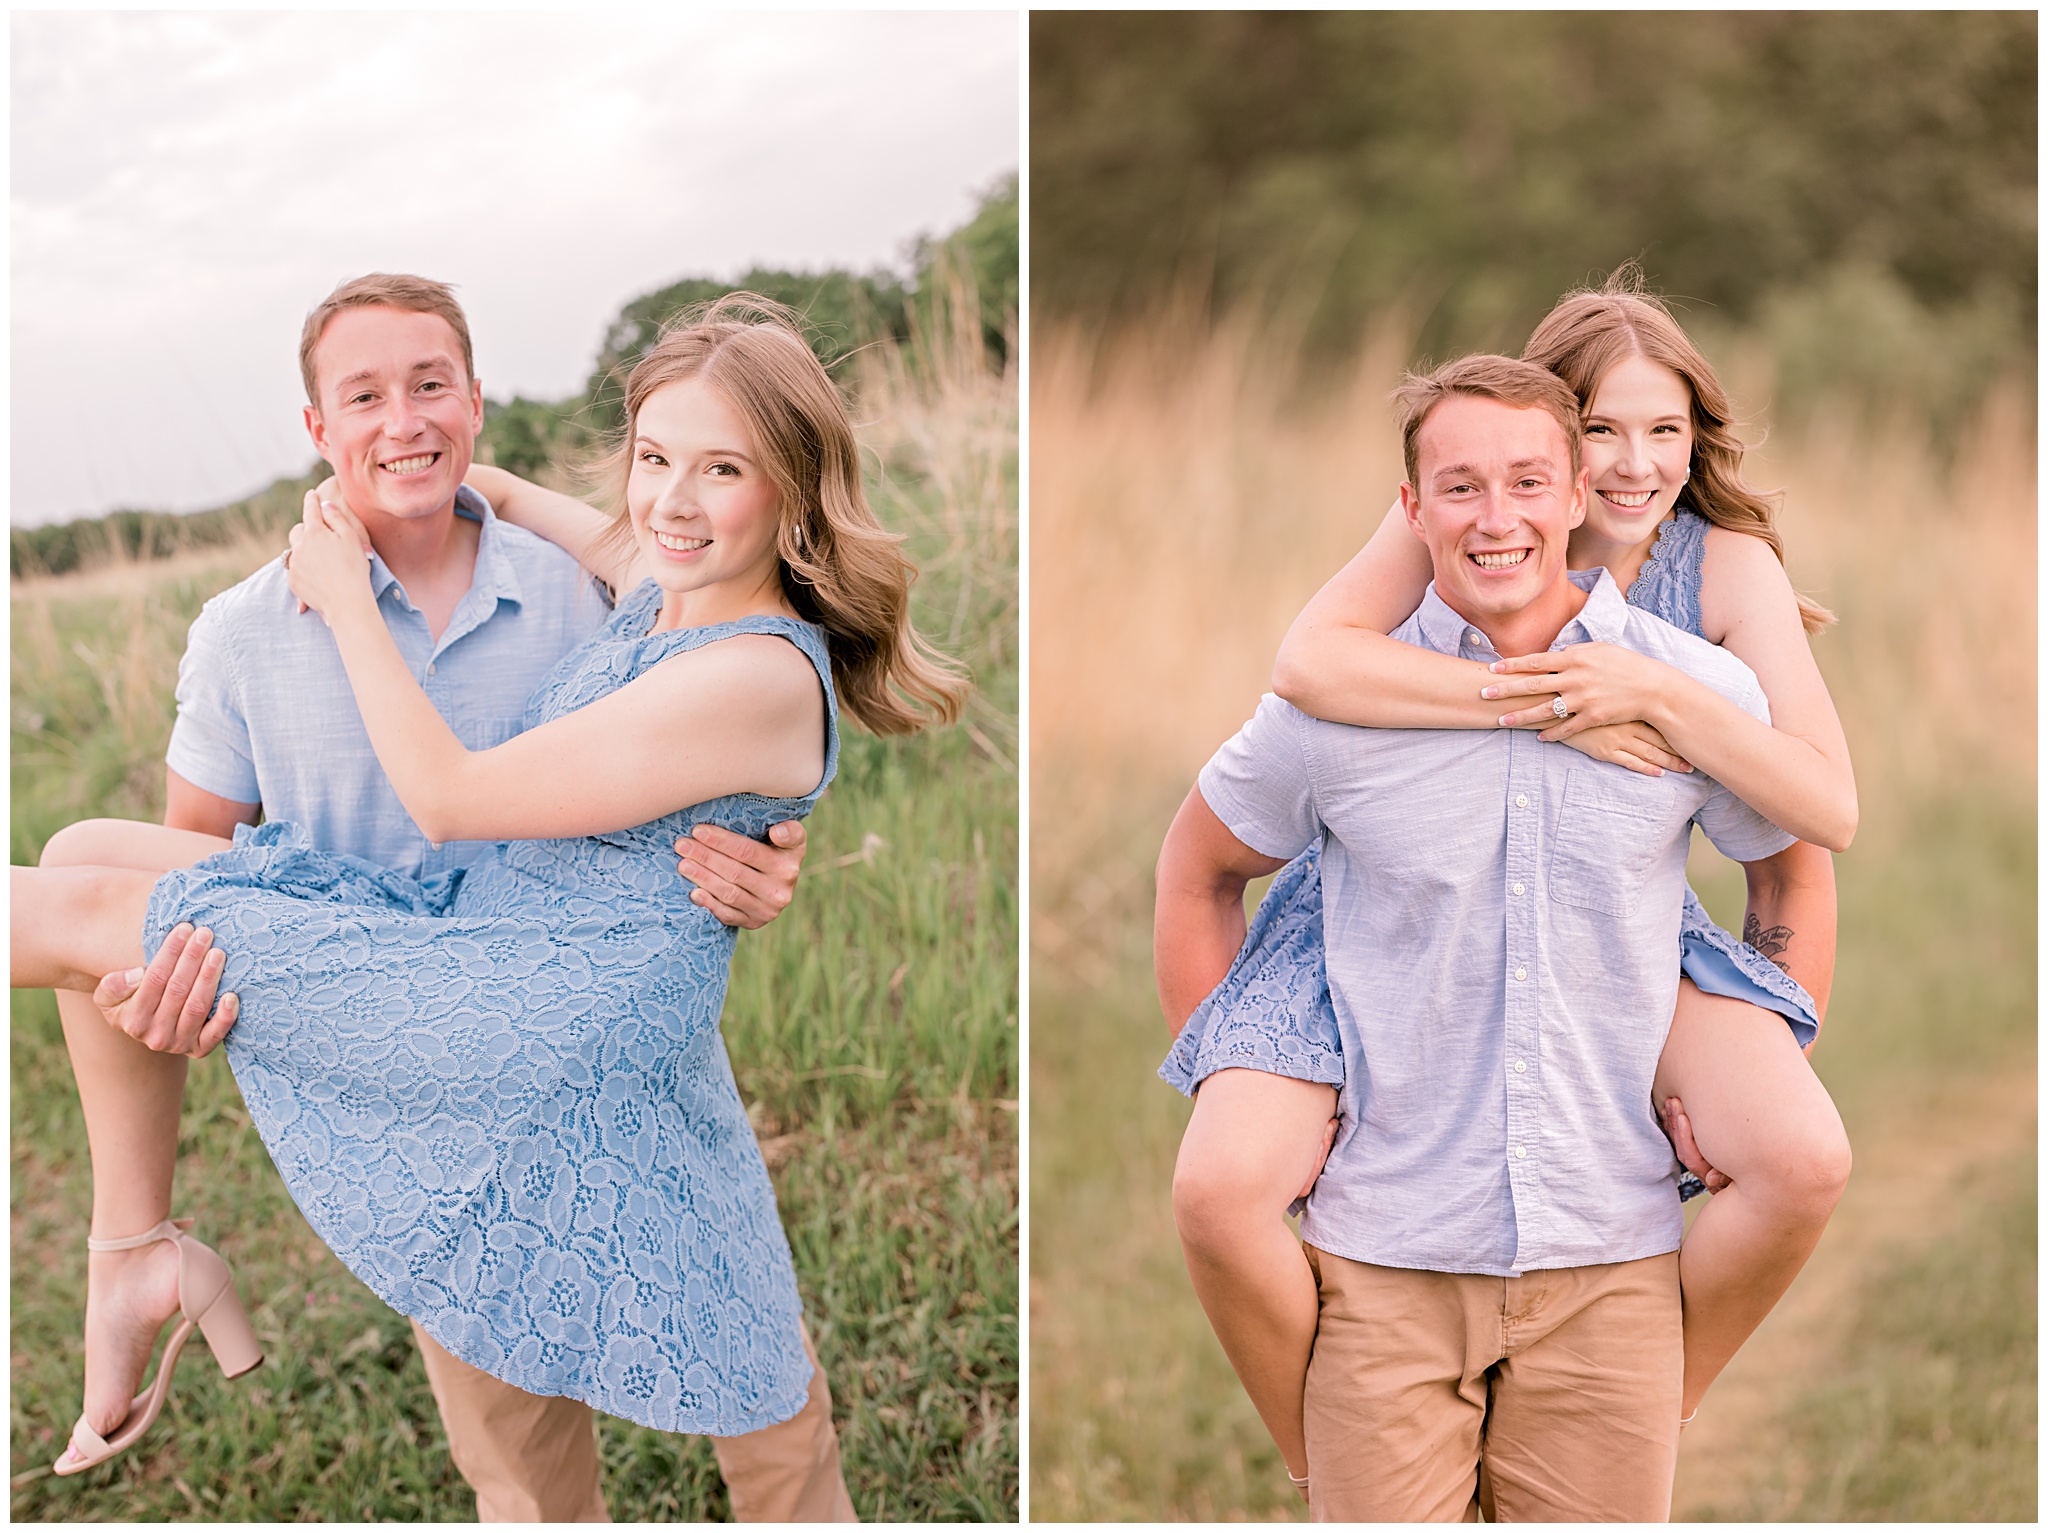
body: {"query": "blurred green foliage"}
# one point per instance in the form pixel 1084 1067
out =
pixel 63 547
pixel 1466 168
pixel 528 437
pixel 844 310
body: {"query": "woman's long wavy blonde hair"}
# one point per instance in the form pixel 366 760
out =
pixel 1591 330
pixel 840 568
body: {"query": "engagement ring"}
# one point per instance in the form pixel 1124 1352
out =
pixel 1557 707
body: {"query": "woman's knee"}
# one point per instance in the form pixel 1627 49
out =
pixel 1806 1168
pixel 85 843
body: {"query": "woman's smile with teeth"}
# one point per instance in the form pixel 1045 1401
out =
pixel 1629 500
pixel 680 545
pixel 1506 559
pixel 418 465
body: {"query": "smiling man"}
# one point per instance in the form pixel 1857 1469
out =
pixel 482 612
pixel 1495 1234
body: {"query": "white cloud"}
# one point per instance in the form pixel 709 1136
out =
pixel 185 187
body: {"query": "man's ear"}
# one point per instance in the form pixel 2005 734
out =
pixel 476 407
pixel 1582 489
pixel 1411 507
pixel 317 430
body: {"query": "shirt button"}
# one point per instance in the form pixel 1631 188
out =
pixel 1521 1067
pixel 1521 1152
pixel 430 667
pixel 1521 801
pixel 1521 974
pixel 1476 638
pixel 1518 888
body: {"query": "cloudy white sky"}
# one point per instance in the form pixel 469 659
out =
pixel 186 187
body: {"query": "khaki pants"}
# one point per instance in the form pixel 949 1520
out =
pixel 533 1458
pixel 1550 1397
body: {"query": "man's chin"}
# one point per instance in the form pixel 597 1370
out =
pixel 409 502
pixel 1481 603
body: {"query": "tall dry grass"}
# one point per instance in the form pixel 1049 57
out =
pixel 1189 492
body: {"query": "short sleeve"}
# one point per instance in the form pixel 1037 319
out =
pixel 1737 830
pixel 1259 786
pixel 210 745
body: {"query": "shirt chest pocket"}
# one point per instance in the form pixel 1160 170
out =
pixel 1611 828
pixel 482 733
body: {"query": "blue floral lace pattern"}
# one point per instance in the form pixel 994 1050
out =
pixel 501 1095
pixel 1668 584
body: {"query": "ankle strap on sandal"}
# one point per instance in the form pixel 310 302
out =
pixel 167 1230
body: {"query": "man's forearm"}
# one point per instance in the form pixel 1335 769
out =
pixel 1791 916
pixel 1195 935
pixel 1198 916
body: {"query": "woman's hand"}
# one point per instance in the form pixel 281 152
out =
pixel 1632 744
pixel 1599 683
pixel 328 562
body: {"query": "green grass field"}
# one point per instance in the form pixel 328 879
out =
pixel 873 1031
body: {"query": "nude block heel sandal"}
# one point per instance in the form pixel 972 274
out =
pixel 209 1304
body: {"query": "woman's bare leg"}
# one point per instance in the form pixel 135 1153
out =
pixel 1253 1143
pixel 1761 1115
pixel 71 924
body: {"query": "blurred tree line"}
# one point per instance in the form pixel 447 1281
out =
pixel 531 437
pixel 845 310
pixel 1787 169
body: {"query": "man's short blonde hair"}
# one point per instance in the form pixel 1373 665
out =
pixel 389 290
pixel 1523 385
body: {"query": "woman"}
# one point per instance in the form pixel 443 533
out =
pixel 501 1097
pixel 1685 538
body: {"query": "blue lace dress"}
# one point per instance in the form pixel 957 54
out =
pixel 501 1096
pixel 1273 1013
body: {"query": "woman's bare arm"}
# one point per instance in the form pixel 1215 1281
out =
pixel 746 714
pixel 1337 662
pixel 1795 770
pixel 584 532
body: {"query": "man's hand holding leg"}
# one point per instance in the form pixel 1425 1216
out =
pixel 169 1005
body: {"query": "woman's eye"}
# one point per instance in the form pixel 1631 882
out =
pixel 654 460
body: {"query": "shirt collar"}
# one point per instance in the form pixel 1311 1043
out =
pixel 494 579
pixel 1604 616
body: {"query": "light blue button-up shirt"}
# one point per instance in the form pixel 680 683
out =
pixel 265 714
pixel 1501 919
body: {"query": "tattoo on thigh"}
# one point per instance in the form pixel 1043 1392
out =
pixel 1767 940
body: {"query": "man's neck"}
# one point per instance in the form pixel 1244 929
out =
pixel 433 557
pixel 1534 628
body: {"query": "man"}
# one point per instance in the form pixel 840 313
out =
pixel 482 611
pixel 1494 1236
